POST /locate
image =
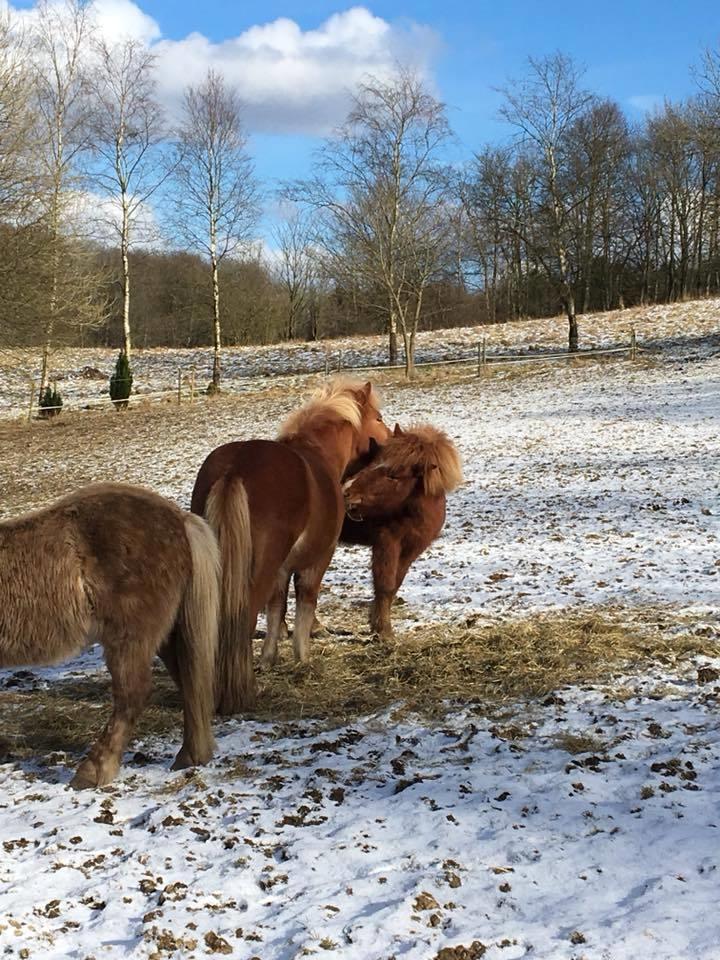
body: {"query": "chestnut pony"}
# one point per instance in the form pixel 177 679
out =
pixel 277 509
pixel 121 566
pixel 396 505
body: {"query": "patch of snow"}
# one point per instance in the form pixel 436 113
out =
pixel 388 838
pixel 588 485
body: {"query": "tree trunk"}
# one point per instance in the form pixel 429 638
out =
pixel 572 322
pixel 588 252
pixel 409 345
pixel 216 325
pixel 314 314
pixel 409 365
pixel 44 367
pixel 124 249
pixel 393 339
pixel 52 305
pixel 670 288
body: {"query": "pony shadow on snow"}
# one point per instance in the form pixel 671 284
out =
pixel 47 725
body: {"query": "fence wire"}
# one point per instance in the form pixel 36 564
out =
pixel 20 373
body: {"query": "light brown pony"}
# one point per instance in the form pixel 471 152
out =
pixel 277 509
pixel 396 505
pixel 124 567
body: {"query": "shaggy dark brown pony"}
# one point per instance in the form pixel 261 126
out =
pixel 396 505
pixel 121 566
pixel 277 508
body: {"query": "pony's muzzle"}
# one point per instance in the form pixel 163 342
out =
pixel 352 511
pixel 351 506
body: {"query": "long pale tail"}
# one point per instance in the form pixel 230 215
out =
pixel 197 640
pixel 228 514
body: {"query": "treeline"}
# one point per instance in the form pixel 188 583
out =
pixel 578 209
pixel 585 208
pixel 172 301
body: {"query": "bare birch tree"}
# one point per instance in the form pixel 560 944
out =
pixel 126 128
pixel 61 32
pixel 20 182
pixel 215 197
pixel 19 169
pixel 296 268
pixel 544 108
pixel 380 194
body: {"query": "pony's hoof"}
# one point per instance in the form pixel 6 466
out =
pixel 267 662
pixel 318 629
pixel 231 706
pixel 183 760
pixel 86 776
pixel 186 759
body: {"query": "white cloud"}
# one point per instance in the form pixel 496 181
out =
pixel 123 18
pixel 116 19
pixel 290 80
pixel 98 216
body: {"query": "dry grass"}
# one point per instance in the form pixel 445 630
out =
pixel 480 663
pixel 487 665
pixel 46 459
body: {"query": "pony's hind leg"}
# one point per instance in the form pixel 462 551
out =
pixel 317 630
pixel 195 749
pixel 276 626
pixel 130 667
pixel 168 655
pixel 307 587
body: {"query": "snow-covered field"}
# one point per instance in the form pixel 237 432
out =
pixel 582 826
pixel 389 839
pixel 692 327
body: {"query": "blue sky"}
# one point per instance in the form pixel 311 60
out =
pixel 294 63
pixel 636 52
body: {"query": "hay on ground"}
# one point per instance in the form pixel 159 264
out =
pixel 352 674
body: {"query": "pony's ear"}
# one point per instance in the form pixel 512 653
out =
pixel 423 469
pixel 398 431
pixel 365 392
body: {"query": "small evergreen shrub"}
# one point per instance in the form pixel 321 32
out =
pixel 121 382
pixel 50 402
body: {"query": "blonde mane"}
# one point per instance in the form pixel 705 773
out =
pixel 424 446
pixel 334 402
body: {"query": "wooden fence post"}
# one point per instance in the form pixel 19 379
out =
pixel 633 344
pixel 179 385
pixel 192 385
pixel 327 362
pixel 482 364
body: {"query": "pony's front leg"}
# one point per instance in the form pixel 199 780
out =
pixel 131 672
pixel 276 627
pixel 385 561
